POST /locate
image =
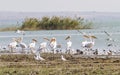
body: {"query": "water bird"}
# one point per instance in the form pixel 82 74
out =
pixel 46 39
pixel 13 44
pixel 62 58
pixel 43 46
pixel 39 58
pixel 53 44
pixel 20 32
pixel 109 36
pixel 69 44
pixel 21 43
pixel 32 45
pixel 90 43
pixel 37 55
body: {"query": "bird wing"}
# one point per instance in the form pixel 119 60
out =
pixel 34 40
pixel 107 33
pixel 93 37
pixel 68 37
pixel 46 39
pixel 86 36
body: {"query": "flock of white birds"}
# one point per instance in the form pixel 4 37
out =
pixel 18 42
pixel 52 44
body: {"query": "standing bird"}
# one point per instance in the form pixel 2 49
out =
pixel 13 44
pixel 69 44
pixel 22 44
pixel 43 46
pixel 38 57
pixel 32 45
pixel 53 44
pixel 62 58
pixel 90 43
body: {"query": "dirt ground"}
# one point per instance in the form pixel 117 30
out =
pixel 21 64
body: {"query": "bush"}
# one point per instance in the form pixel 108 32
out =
pixel 55 23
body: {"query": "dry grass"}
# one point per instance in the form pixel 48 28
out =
pixel 53 65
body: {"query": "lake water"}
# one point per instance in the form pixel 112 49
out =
pixel 76 37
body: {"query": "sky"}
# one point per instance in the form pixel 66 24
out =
pixel 60 5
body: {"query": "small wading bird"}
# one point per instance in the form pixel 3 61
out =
pixel 62 58
pixel 69 44
pixel 37 56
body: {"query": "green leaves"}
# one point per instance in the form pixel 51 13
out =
pixel 55 23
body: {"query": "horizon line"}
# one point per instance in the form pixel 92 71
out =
pixel 61 11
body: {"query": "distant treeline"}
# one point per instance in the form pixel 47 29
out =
pixel 55 23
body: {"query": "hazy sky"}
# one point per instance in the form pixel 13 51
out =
pixel 60 5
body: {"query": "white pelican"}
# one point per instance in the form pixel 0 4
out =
pixel 13 44
pixel 32 45
pixel 53 44
pixel 22 44
pixel 90 43
pixel 62 58
pixel 20 32
pixel 43 46
pixel 69 44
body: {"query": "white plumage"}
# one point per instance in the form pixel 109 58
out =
pixel 69 44
pixel 53 44
pixel 90 43
pixel 13 44
pixel 22 44
pixel 62 58
pixel 37 56
pixel 32 45
pixel 20 32
pixel 43 45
